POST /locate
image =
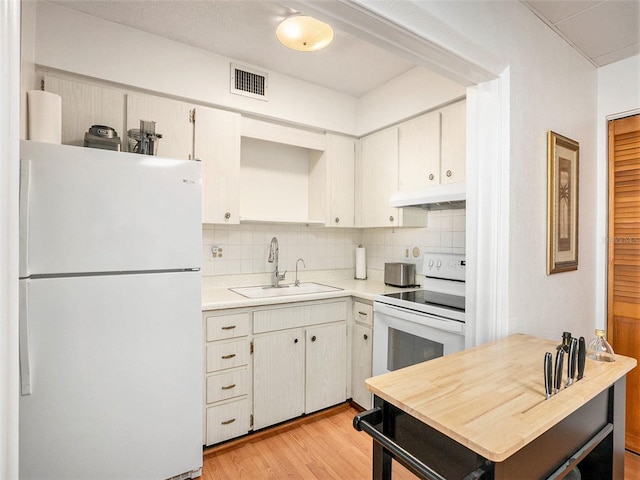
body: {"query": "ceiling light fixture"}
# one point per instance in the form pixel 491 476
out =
pixel 304 33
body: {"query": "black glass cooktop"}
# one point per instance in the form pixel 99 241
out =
pixel 426 297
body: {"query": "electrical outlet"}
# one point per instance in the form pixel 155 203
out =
pixel 216 252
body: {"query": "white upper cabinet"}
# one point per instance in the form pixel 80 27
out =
pixel 432 148
pixel 85 105
pixel 377 179
pixel 172 122
pixel 217 146
pixel 454 143
pixel 333 187
pixel 419 152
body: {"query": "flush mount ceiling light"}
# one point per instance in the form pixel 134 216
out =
pixel 304 33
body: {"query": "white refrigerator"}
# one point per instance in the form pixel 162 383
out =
pixel 110 329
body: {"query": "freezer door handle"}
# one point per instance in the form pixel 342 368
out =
pixel 25 364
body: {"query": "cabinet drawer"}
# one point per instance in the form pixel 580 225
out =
pixel 227 385
pixel 363 313
pixel 224 355
pixel 299 316
pixel 220 327
pixel 227 421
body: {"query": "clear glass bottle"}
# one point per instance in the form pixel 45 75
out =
pixel 599 349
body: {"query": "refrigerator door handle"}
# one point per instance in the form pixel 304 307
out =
pixel 25 176
pixel 25 364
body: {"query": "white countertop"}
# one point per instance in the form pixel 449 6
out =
pixel 221 297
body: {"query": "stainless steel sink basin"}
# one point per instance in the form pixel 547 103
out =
pixel 283 290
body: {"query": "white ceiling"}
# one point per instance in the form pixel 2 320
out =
pixel 603 31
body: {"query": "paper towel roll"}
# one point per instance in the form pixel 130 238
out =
pixel 361 263
pixel 44 116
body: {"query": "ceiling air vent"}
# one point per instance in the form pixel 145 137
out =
pixel 250 83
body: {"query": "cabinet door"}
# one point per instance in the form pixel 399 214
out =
pixel 454 143
pixel 172 122
pixel 378 179
pixel 419 152
pixel 326 359
pixel 340 180
pixel 278 377
pixel 217 145
pixel 361 365
pixel 85 105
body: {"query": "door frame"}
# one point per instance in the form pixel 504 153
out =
pixel 488 132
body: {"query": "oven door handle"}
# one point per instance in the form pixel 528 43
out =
pixel 366 422
pixel 422 318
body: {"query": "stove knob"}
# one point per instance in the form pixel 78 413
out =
pixel 438 264
pixel 430 264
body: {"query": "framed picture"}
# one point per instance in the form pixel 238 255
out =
pixel 562 203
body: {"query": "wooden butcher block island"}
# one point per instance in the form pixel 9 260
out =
pixel 482 414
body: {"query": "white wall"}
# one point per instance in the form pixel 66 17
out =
pixel 9 173
pixel 618 96
pixel 290 99
pixel 67 40
pixel 418 90
pixel 551 88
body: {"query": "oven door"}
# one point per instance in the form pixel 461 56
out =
pixel 403 337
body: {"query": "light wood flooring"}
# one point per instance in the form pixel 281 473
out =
pixel 323 446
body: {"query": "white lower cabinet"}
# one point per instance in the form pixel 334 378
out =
pixel 266 365
pixel 278 377
pixel 362 350
pixel 326 362
pixel 361 353
pixel 301 369
pixel 227 420
pixel 227 375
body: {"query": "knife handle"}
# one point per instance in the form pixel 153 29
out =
pixel 571 363
pixel 547 374
pixel 582 355
pixel 557 379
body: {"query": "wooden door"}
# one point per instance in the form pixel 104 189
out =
pixel 624 259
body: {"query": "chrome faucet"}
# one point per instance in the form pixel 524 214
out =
pixel 273 258
pixel 297 282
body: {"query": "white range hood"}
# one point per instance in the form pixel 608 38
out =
pixel 437 197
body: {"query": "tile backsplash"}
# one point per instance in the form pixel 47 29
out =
pixel 243 249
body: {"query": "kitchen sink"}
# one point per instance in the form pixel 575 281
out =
pixel 283 290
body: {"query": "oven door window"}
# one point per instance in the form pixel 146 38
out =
pixel 406 349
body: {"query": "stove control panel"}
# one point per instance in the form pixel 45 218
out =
pixel 448 266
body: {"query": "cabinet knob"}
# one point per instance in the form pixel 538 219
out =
pixel 337 219
pixel 295 340
pixel 366 336
pixel 313 339
pixel 391 218
pixel 449 173
pixel 227 215
pixel 431 176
